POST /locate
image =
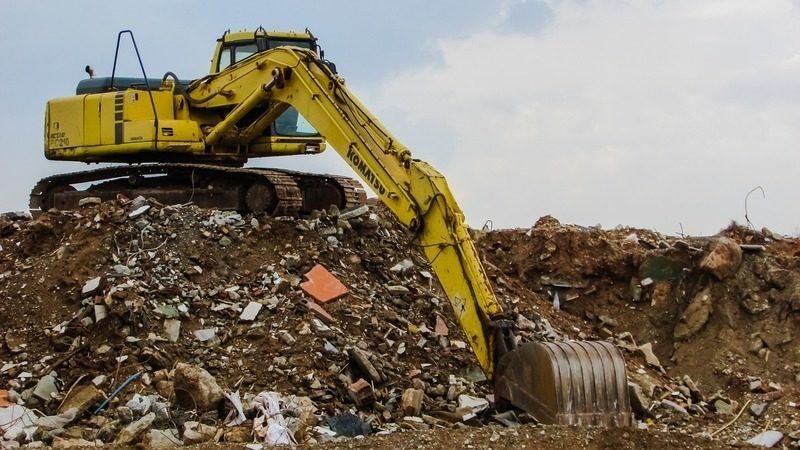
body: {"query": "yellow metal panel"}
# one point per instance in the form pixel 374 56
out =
pixel 66 123
pixel 91 119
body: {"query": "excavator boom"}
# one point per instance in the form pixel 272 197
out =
pixel 565 383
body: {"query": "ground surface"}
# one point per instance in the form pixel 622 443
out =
pixel 720 318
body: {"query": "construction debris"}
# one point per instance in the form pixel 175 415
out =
pixel 162 326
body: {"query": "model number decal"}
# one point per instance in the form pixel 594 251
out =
pixel 59 139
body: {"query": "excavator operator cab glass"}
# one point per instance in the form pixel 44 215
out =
pixel 290 123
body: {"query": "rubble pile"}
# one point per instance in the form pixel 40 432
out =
pixel 143 323
pixel 131 322
pixel 708 324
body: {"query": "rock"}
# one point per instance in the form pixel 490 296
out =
pixel 91 286
pixel 361 359
pixel 196 433
pixel 757 386
pixel 250 312
pixel 164 438
pixel 669 404
pixel 206 334
pixel 87 201
pixel 195 388
pixel 172 328
pixel 81 398
pixel 695 316
pixel 724 408
pixel 397 289
pixel 639 402
pixel 650 358
pixel 46 388
pixel 134 431
pixel 758 409
pixel 723 258
pixel 411 402
pixel 139 211
pixel 354 212
pixel 124 414
pixel 766 439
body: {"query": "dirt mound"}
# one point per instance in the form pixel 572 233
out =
pixel 120 293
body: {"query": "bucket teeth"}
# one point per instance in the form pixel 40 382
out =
pixel 567 383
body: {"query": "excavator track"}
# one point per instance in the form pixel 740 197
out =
pixel 272 191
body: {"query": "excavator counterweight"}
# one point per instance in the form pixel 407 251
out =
pixel 235 111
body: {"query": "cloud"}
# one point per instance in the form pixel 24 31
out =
pixel 643 113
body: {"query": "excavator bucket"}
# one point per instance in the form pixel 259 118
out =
pixel 567 383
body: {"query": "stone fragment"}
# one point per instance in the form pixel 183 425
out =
pixel 695 316
pixel 206 334
pixel 724 408
pixel 757 386
pixel 91 286
pixel 650 358
pixel 250 312
pixel 134 431
pixel 196 433
pixel 758 409
pixel 397 289
pixel 139 211
pixel 172 327
pixel 354 212
pixel 46 388
pixel 411 402
pixel 669 404
pixel 87 201
pixel 361 359
pixel 164 438
pixel 81 398
pixel 639 402
pixel 195 388
pixel 322 285
pixel 766 439
pixel 723 258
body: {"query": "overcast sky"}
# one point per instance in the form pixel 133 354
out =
pixel 652 114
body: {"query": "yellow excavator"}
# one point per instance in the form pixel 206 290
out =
pixel 272 93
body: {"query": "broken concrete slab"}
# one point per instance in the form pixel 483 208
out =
pixel 250 312
pixel 135 430
pixel 695 316
pixel 723 259
pixel 81 398
pixel 322 285
pixel 195 388
pixel 411 402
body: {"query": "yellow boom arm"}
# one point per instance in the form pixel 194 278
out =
pixel 413 190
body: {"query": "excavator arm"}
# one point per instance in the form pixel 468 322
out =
pixel 581 383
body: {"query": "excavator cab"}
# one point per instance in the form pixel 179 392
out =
pixel 235 47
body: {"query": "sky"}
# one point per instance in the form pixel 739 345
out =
pixel 644 113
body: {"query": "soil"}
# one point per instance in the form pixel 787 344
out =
pixel 628 286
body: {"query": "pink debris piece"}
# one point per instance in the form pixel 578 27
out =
pixel 320 311
pixel 322 285
pixel 440 328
